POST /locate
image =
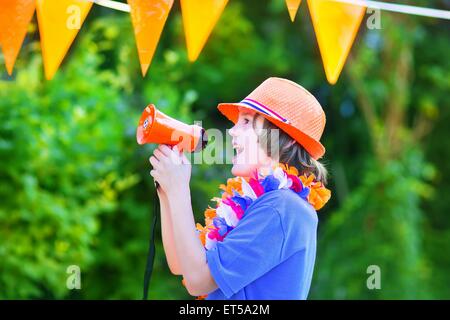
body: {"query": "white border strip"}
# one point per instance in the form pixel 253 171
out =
pixel 260 107
pixel 401 8
pixel 112 5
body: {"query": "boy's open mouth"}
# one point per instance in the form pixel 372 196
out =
pixel 237 149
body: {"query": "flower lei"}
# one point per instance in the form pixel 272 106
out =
pixel 239 193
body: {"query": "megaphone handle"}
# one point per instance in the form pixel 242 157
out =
pixel 151 249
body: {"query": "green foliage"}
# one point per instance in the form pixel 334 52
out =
pixel 62 143
pixel 379 224
pixel 382 222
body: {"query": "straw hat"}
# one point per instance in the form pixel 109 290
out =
pixel 290 107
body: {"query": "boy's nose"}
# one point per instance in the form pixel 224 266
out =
pixel 232 131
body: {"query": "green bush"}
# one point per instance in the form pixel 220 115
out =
pixel 380 224
pixel 61 143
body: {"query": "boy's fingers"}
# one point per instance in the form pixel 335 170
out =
pixel 154 162
pixel 184 159
pixel 164 149
pixel 159 155
pixel 155 177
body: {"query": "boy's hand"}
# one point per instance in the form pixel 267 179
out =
pixel 171 169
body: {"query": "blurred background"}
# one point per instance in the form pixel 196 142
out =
pixel 75 186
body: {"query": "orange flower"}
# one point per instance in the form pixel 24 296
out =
pixel 289 169
pixel 232 183
pixel 216 200
pixel 202 233
pixel 318 196
pixel 307 180
pixel 210 212
pixel 208 222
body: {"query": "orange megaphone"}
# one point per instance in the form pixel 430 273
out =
pixel 156 127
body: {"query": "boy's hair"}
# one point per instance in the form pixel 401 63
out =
pixel 286 150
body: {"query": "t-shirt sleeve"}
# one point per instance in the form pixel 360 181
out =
pixel 247 252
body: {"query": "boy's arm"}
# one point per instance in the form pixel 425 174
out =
pixel 167 234
pixel 190 251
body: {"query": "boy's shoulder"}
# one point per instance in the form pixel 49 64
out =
pixel 296 217
pixel 289 205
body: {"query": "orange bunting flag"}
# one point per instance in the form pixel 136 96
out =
pixel 336 26
pixel 199 19
pixel 15 16
pixel 148 18
pixel 292 6
pixel 59 22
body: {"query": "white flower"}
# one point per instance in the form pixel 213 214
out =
pixel 210 243
pixel 225 211
pixel 289 183
pixel 281 176
pixel 247 190
pixel 265 171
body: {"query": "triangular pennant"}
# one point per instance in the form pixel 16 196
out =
pixel 59 22
pixel 336 26
pixel 15 16
pixel 199 19
pixel 148 18
pixel 292 6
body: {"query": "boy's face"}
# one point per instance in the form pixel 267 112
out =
pixel 249 154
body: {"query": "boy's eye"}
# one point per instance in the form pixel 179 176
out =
pixel 246 120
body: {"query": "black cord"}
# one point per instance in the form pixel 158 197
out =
pixel 151 247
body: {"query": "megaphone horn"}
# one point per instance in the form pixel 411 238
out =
pixel 156 127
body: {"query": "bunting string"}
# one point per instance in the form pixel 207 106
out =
pixel 112 5
pixel 393 7
pixel 400 8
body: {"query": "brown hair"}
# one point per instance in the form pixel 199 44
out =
pixel 283 148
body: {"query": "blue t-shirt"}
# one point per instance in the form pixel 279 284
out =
pixel 271 252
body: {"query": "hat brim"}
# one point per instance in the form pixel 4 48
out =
pixel 314 148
